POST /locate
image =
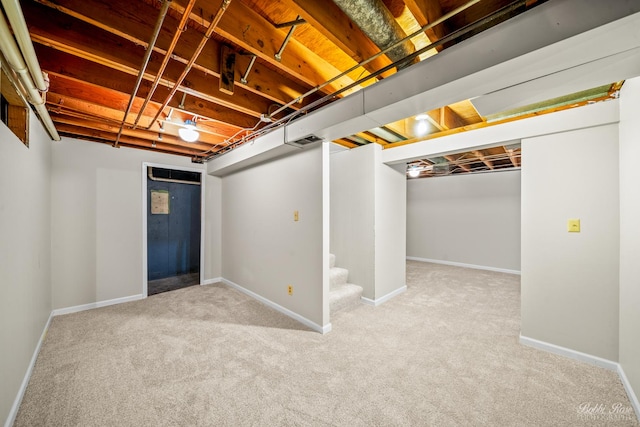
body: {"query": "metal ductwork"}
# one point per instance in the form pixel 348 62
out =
pixel 375 20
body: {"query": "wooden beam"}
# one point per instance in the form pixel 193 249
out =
pixel 455 161
pixel 425 12
pixel 227 71
pixel 346 143
pixel 372 138
pixel 97 76
pixel 483 159
pixel 205 142
pixel 445 118
pixel 60 105
pixel 512 156
pixel 112 17
pixel 106 137
pixel 258 36
pixel 497 122
pixel 67 104
pixel 79 39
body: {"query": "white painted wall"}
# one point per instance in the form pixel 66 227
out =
pixel 469 219
pixel 25 254
pixel 570 281
pixel 390 226
pixel 264 249
pixel 213 227
pixel 97 217
pixel 630 233
pixel 352 238
pixel 368 209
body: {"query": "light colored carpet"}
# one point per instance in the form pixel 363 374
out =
pixel 445 353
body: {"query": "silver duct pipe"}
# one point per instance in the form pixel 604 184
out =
pixel 375 20
pixel 14 58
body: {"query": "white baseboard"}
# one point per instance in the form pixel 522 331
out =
pixel 567 352
pixel 462 264
pixel 212 281
pixel 587 358
pixel 322 329
pixel 27 376
pixel 387 297
pixel 633 398
pixel 83 307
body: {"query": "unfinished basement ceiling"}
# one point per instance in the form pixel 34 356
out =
pixel 230 67
pixel 491 159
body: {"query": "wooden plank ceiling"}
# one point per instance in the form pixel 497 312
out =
pixel 254 66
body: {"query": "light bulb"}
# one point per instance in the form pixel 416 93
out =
pixel 421 128
pixel 188 133
pixel 414 172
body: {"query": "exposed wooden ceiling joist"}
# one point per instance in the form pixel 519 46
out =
pixel 93 50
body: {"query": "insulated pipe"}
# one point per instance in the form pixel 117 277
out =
pixel 16 18
pixel 145 62
pixel 375 20
pixel 15 60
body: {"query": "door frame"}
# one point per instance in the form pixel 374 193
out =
pixel 145 207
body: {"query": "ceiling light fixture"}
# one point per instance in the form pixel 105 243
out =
pixel 414 172
pixel 188 133
pixel 421 125
pixel 422 128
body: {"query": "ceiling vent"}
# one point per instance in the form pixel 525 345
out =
pixel 303 142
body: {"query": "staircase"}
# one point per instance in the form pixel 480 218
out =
pixel 341 293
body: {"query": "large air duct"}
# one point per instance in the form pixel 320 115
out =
pixel 375 20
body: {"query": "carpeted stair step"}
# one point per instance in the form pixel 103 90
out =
pixel 343 296
pixel 338 276
pixel 332 260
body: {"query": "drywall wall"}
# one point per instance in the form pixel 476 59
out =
pixel 352 205
pixel 367 226
pixel 630 234
pixel 97 217
pixel 213 227
pixel 570 280
pixel 469 219
pixel 25 254
pixel 264 249
pixel 390 226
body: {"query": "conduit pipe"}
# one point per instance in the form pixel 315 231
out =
pixel 145 62
pixel 16 61
pixel 194 57
pixel 167 57
pixel 375 20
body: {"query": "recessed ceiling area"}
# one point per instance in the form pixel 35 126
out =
pixel 487 159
